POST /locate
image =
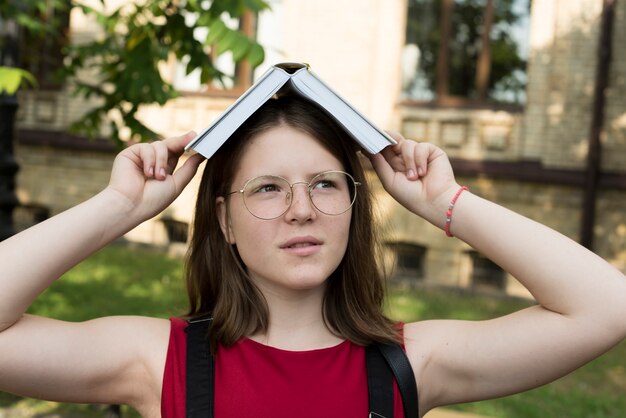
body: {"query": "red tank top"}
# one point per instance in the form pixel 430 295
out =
pixel 255 380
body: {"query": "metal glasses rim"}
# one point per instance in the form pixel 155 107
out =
pixel 356 184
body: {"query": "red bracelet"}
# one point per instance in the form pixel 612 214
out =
pixel 449 211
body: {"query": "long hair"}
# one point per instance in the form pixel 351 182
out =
pixel 217 281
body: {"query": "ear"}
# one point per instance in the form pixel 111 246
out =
pixel 222 217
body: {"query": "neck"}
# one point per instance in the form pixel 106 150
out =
pixel 296 321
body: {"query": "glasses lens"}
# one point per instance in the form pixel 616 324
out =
pixel 267 197
pixel 333 192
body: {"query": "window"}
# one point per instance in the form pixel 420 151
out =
pixel 486 275
pixel 466 50
pixel 238 74
pixel 176 231
pixel 409 260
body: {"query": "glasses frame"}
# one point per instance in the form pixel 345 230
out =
pixel 310 191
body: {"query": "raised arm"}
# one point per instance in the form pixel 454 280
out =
pixel 582 299
pixel 79 362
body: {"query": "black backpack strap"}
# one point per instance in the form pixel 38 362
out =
pixel 402 370
pixel 199 369
pixel 383 362
pixel 379 383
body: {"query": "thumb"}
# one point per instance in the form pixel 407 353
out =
pixel 185 173
pixel 383 169
pixel 176 144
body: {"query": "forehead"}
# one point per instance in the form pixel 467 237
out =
pixel 285 151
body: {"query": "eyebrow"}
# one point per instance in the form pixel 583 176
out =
pixel 308 176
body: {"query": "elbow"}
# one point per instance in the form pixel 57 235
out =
pixel 5 324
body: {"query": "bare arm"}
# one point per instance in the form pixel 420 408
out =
pixel 113 360
pixel 40 357
pixel 582 299
pixel 35 258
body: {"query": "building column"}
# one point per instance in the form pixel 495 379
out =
pixel 8 165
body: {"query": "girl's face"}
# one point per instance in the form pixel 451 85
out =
pixel 301 248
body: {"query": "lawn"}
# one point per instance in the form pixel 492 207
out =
pixel 593 391
pixel 119 280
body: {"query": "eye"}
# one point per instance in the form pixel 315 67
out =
pixel 267 188
pixel 324 184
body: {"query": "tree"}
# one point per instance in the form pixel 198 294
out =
pixel 137 38
pixel 424 30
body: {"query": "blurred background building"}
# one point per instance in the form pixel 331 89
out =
pixel 528 98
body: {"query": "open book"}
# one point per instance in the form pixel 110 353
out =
pixel 290 78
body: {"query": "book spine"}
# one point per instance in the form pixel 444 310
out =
pixel 365 132
pixel 212 138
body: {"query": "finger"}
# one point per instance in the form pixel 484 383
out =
pixel 161 160
pixel 147 155
pixel 177 144
pixel 421 156
pixel 393 156
pixel 408 156
pixel 395 135
pixel 382 168
pixel 185 173
pixel 390 151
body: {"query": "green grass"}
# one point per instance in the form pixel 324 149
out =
pixel 114 281
pixel 594 391
pixel 119 280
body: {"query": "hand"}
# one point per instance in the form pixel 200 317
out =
pixel 418 175
pixel 144 174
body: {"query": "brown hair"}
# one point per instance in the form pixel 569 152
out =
pixel 217 281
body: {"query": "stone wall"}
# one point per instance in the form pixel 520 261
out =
pixel 370 38
pixel 552 133
pixel 614 142
pixel 552 130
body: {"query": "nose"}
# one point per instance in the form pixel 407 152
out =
pixel 301 208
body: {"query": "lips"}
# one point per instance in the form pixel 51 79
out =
pixel 302 246
pixel 301 242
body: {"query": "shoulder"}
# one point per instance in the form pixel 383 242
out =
pixel 144 334
pixel 418 342
pixel 150 339
pixel 116 359
pixel 424 342
pixel 144 339
pixel 430 342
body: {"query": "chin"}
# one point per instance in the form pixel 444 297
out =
pixel 306 283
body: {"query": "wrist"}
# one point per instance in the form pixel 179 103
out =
pixel 117 213
pixel 450 210
pixel 437 212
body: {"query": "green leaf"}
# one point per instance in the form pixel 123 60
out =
pixel 11 79
pixel 217 30
pixel 256 5
pixel 256 55
pixel 227 42
pixel 240 48
pixel 134 40
pixel 139 38
pixel 205 19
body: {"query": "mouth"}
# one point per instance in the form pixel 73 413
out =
pixel 301 245
pixel 301 242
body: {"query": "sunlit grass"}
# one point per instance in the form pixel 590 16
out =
pixel 594 391
pixel 115 281
pixel 119 280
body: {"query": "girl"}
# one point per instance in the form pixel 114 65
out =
pixel 282 255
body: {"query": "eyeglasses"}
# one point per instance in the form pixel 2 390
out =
pixel 269 197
